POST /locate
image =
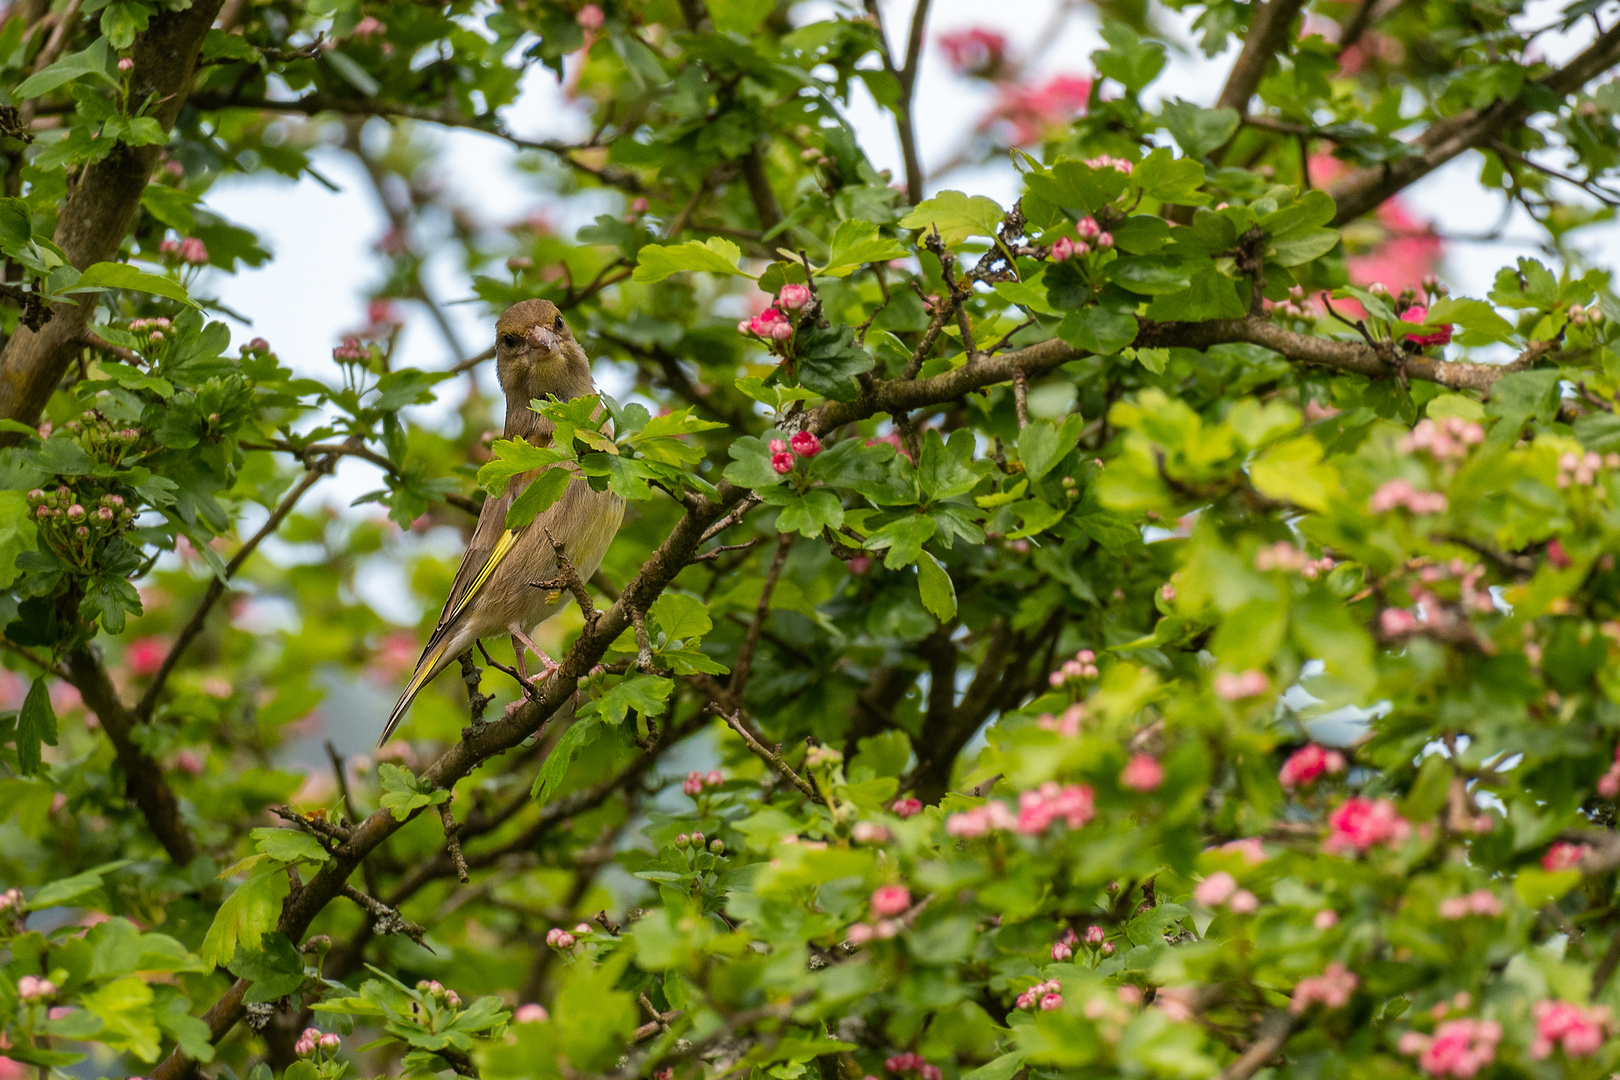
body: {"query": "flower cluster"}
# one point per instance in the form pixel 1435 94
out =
pixel 1450 438
pixel 1142 773
pixel 1083 666
pixel 434 988
pixel 890 900
pixel 1478 902
pixel 314 1039
pixel 1582 469
pixel 1222 888
pixel 904 1063
pixel 870 832
pixel 351 351
pixel 1066 724
pixel 1578 1031
pixel 1457 1048
pixel 32 988
pixel 1243 684
pixel 1397 493
pixel 73 527
pixel 1073 804
pixel 1360 823
pixel 154 328
pixel 695 781
pixel 907 807
pixel 1024 114
pixel 1107 161
pixel 1331 989
pixel 1564 856
pixel 1047 996
pixel 1307 763
pixel 1439 335
pixel 682 842
pixel 803 444
pixel 1580 315
pixel 769 325
pixel 1285 556
pixel 191 251
pixel 1294 307
pixel 975 52
pixel 558 938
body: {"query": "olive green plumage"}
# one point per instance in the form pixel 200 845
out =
pixel 535 356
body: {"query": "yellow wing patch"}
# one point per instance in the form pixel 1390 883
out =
pixel 503 547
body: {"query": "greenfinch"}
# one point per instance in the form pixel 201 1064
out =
pixel 494 592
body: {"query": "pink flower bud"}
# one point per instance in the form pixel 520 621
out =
pixel 1062 249
pixel 330 1041
pixel 744 328
pixel 1061 951
pixel 1094 935
pixel 782 463
pixel 304 1047
pixel 779 446
pixel 713 778
pixel 1326 919
pixel 638 205
pixel 1088 228
pixel 193 251
pixel 590 17
pixel 793 297
pixel 1105 240
pixel 889 900
pixel 1142 773
pixel 694 783
pixel 1051 1002
pixel 126 65
pixel 530 1013
pixel 805 444
pixel 907 808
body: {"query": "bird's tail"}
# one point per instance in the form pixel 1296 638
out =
pixel 427 667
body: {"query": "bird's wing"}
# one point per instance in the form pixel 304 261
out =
pixel 490 544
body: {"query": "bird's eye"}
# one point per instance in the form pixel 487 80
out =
pixel 511 341
pixel 558 326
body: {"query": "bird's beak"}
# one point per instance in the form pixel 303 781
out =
pixel 543 338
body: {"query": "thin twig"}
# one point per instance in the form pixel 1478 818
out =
pixel 745 654
pixel 386 920
pixel 1273 1033
pixel 771 757
pixel 448 819
pixel 568 578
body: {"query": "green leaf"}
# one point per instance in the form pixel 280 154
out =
pixel 580 734
pixel 354 74
pixel 857 243
pixel 36 724
pixel 829 360
pixel 92 61
pixel 807 514
pixel 275 968
pixel 1170 179
pixel 112 275
pixel 17 534
pixel 1198 130
pixel 1150 275
pixel 514 456
pixel 938 592
pixel 647 694
pixel 1480 323
pixel 739 16
pixel 903 539
pixel 404 792
pixel 1301 247
pixel 290 846
pixel 681 617
pixel 716 256
pixel 1098 330
pixel 541 494
pixel 943 469
pixel 248 913
pixel 1129 61
pixel 1042 444
pixel 1294 472
pixel 66 890
pixel 956 216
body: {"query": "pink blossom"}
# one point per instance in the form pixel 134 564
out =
pixel 330 1041
pixel 1236 687
pixel 530 1013
pixel 782 463
pixel 367 28
pixel 1417 313
pixel 693 784
pixel 33 988
pixel 1051 1002
pixel 890 900
pixel 805 444
pixel 870 832
pixel 907 808
pixel 1216 889
pixel 189 761
pixel 1315 412
pixel 1608 784
pixel 1105 240
pixel 126 65
pixel 975 51
pixel 1026 113
pixel 1578 1031
pixel 1095 935
pixel 144 656
pixel 1037 810
pixel 859 564
pixel 1449 438
pixel 1397 493
pixel 793 297
pixel 1326 919
pixel 1062 248
pixel 1244 902
pixel 1331 989
pixel 558 938
pixel 713 778
pixel 859 934
pixel 1250 847
pixel 1307 763
pixel 193 251
pixel 304 1047
pixel 590 17
pixel 1062 951
pixel 1458 1048
pixel 1087 228
pixel 1142 773
pixel 1360 823
pixel 1395 622
pixel 1563 856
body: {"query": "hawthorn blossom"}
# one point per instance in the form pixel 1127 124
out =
pixel 1236 687
pixel 1027 113
pixel 1478 902
pixel 530 1013
pixel 975 52
pixel 793 297
pixel 1037 995
pixel 916 1063
pixel 890 900
pixel 1360 823
pixel 1563 856
pixel 590 17
pixel 1306 764
pixel 1326 919
pixel 782 463
pixel 907 808
pixel 1087 228
pixel 144 656
pixel 1216 889
pixel 32 988
pixel 1578 1031
pixel 1244 902
pixel 1331 989
pixel 1142 773
pixel 1396 493
pixel 1450 438
pixel 1072 805
pixel 1582 469
pixel 1458 1048
pixel 1417 313
pixel 1068 723
pixel 805 444
pixel 1394 622
pixel 770 325
pixel 558 938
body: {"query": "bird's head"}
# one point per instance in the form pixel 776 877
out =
pixel 536 354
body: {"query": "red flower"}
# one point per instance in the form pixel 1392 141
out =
pixel 974 51
pixel 1032 111
pixel 1438 336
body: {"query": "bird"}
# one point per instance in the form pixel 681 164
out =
pixel 536 356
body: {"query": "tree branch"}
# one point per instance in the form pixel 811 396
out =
pixel 1267 36
pixel 1273 1033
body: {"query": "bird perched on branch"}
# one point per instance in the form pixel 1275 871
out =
pixel 495 589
